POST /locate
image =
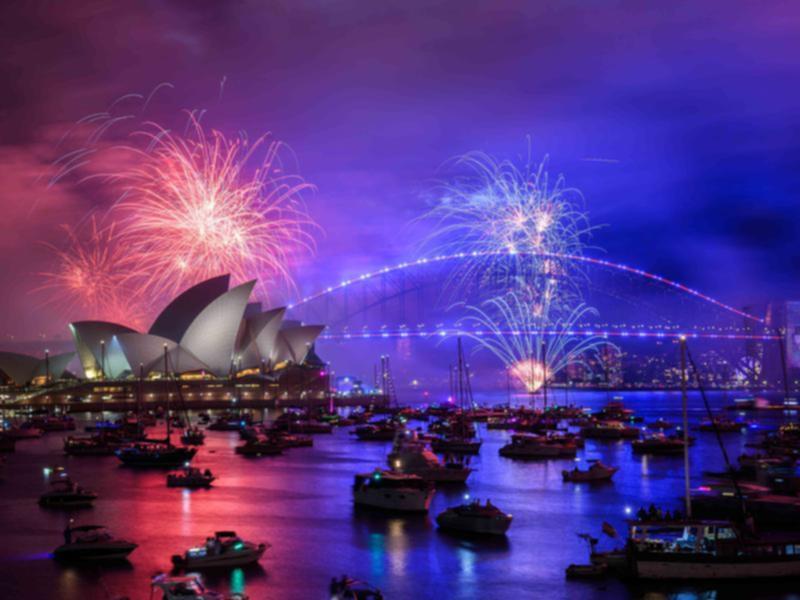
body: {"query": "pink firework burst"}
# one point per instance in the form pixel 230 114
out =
pixel 93 275
pixel 193 208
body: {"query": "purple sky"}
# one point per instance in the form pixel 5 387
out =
pixel 693 105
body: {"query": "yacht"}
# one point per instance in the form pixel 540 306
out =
pixel 455 445
pixel 190 477
pixel 100 444
pixel 154 454
pixel 706 549
pixel 658 444
pixel 722 425
pixel 597 472
pixel 92 543
pixel 383 431
pixel 260 447
pixel 392 491
pixel 475 517
pixel 525 445
pixel 411 456
pixel 188 587
pixel 66 494
pixel 225 549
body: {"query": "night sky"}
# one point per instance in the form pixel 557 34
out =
pixel 679 121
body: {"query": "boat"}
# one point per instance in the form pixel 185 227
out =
pixel 474 517
pixel 54 423
pixel 193 436
pixel 92 543
pixel 526 445
pixel 411 456
pixel 389 490
pixel 658 444
pixel 188 587
pixel 661 424
pixel 347 588
pixel 100 444
pixel 597 472
pixel 294 440
pixel 26 431
pixel 154 454
pixel 66 494
pixel 190 477
pixel 382 431
pixel 610 430
pixel 224 550
pixel 709 549
pixel 722 425
pixel 260 447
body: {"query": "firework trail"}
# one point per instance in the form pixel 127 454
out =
pixel 93 275
pixel 513 221
pixel 531 335
pixel 191 210
pixel 183 206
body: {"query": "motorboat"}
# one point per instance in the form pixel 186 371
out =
pixel 597 472
pixel 383 431
pixel 392 491
pixel 26 431
pixel 661 424
pixel 92 543
pixel 590 571
pixel 411 456
pixel 260 447
pixel 154 454
pixel 193 436
pixel 54 423
pixel 474 517
pixel 722 425
pixel 188 587
pixel 347 588
pixel 224 550
pixel 525 445
pixel 190 477
pixel 609 430
pixel 66 494
pixel 100 444
pixel 294 440
pixel 709 549
pixel 658 444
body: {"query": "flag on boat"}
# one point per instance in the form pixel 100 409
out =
pixel 609 530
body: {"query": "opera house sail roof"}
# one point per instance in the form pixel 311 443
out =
pixel 207 328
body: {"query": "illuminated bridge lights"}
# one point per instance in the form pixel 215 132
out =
pixel 577 258
pixel 422 333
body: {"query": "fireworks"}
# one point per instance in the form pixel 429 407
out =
pixel 93 274
pixel 533 338
pixel 191 211
pixel 180 207
pixel 512 223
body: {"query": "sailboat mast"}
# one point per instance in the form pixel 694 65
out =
pixel 166 393
pixel 684 402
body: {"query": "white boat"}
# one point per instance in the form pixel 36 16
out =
pixel 411 456
pixel 597 472
pixel 190 477
pixel 66 494
pixel 225 549
pixel 388 490
pixel 475 517
pixel 188 587
pixel 92 543
pixel 525 445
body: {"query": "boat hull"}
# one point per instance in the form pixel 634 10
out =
pixel 240 559
pixel 94 552
pixel 484 526
pixel 657 568
pixel 399 500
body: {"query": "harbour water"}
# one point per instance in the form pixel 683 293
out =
pixel 300 503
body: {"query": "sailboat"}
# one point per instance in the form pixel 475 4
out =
pixel 701 549
pixel 461 442
pixel 152 453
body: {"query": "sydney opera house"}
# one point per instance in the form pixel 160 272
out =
pixel 211 339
